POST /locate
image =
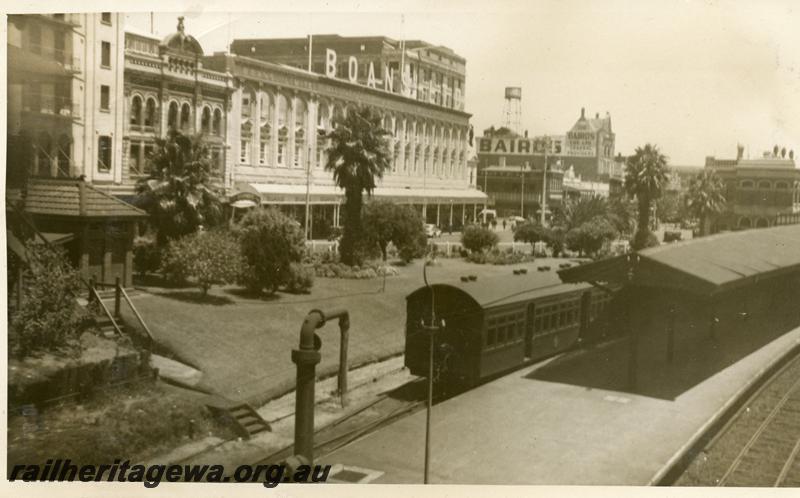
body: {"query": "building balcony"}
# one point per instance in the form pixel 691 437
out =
pixel 71 20
pixel 44 59
pixel 51 105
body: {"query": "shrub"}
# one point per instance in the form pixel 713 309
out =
pixel 209 258
pixel 48 317
pixel 589 237
pixel 532 233
pixel 300 279
pixel 146 255
pixel 270 243
pixel 478 239
pixel 402 226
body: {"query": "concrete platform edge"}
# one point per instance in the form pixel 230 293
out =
pixel 677 462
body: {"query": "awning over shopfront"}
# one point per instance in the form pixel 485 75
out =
pixel 276 193
pixel 703 266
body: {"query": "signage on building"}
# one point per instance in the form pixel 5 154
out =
pixel 582 141
pixel 516 146
pixel 387 80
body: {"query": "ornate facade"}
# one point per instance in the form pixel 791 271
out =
pixel 166 86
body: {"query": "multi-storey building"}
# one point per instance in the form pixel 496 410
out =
pixel 760 192
pixel 431 73
pixel 587 150
pixel 65 80
pixel 65 88
pixel 278 113
pixel 167 87
pixel 511 172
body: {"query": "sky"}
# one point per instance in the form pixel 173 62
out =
pixel 693 77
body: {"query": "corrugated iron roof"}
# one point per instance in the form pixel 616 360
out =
pixel 706 265
pixel 58 197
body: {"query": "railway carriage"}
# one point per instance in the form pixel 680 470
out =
pixel 496 324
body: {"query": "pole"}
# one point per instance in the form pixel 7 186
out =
pixel 430 403
pixel 310 41
pixel 308 194
pixel 522 190
pixel 544 181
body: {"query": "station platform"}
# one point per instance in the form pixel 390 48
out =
pixel 570 420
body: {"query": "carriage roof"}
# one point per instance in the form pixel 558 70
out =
pixel 502 290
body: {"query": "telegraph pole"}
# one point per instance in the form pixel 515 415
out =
pixel 431 329
pixel 522 190
pixel 544 180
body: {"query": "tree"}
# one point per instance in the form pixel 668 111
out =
pixel 478 239
pixel 177 193
pixel 668 207
pixel 590 236
pixel 359 153
pixel 48 317
pixel 622 214
pixel 386 222
pixel 576 212
pixel 209 257
pixel 533 233
pixel 270 242
pixel 645 179
pixel 705 198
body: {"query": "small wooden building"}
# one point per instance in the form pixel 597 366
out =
pixel 95 228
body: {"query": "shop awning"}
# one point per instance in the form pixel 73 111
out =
pixel 704 266
pixel 278 193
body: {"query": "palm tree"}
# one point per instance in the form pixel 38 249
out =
pixel 358 154
pixel 177 192
pixel 706 198
pixel 645 179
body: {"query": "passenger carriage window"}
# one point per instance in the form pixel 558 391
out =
pixel 490 335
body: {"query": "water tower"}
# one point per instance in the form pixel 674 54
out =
pixel 512 109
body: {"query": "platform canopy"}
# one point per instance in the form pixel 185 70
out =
pixel 704 266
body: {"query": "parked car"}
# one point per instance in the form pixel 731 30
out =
pixel 432 230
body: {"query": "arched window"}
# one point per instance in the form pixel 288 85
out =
pixel 744 222
pixel 216 124
pixel 781 186
pixel 764 185
pixel 172 115
pixel 186 116
pixel 746 184
pixel 205 120
pixel 136 111
pixel 338 115
pixel 282 108
pixel 323 116
pixel 407 157
pixel 266 109
pixel 150 112
pixel 300 120
pixel 762 223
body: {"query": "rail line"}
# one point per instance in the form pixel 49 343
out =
pixel 759 445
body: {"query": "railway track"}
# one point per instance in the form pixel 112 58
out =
pixel 384 410
pixel 760 445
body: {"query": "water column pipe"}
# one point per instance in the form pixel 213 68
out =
pixel 306 358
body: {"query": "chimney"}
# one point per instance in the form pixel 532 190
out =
pixel 583 112
pixel 81 198
pixel 526 133
pixel 597 115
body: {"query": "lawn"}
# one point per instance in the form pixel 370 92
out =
pixel 243 344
